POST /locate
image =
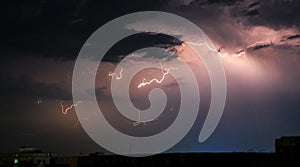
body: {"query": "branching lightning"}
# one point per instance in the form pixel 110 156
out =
pixel 208 46
pixel 237 54
pixel 118 77
pixel 203 44
pixel 65 110
pixel 165 71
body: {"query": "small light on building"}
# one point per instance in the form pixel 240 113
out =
pixel 16 161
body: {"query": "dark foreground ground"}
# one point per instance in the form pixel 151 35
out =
pixel 175 159
pixel 197 159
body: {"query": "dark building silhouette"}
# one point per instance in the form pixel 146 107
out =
pixel 287 154
pixel 28 156
pixel 288 144
pixel 66 161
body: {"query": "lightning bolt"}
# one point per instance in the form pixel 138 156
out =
pixel 165 71
pixel 118 77
pixel 65 110
pixel 208 46
pixel 237 54
pixel 203 44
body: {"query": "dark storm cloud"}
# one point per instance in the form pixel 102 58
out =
pixel 281 50
pixel 187 3
pixel 254 4
pixel 252 9
pixel 276 14
pixel 234 25
pixel 291 37
pixel 258 47
pixel 252 12
pixel 26 87
pixel 139 41
pixel 58 29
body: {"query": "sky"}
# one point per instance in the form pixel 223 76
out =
pixel 258 43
